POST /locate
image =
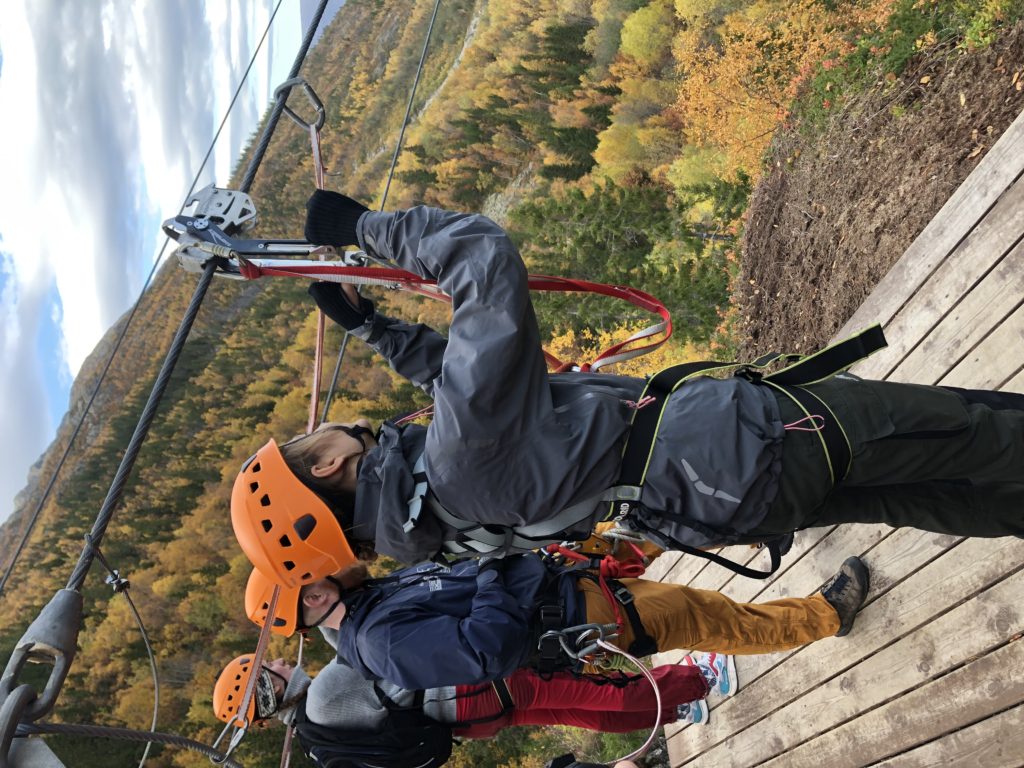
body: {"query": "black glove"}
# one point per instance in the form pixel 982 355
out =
pixel 331 218
pixel 335 304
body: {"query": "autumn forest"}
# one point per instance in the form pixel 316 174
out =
pixel 617 140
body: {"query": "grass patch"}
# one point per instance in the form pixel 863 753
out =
pixel 877 57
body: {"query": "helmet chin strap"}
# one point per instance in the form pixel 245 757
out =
pixel 335 604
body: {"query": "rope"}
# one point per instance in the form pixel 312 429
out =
pixel 253 269
pixel 121 586
pixel 125 734
pixel 282 97
pixel 131 314
pixel 387 186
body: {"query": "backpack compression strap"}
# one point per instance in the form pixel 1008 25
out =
pixel 790 380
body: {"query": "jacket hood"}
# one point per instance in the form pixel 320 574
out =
pixel 385 486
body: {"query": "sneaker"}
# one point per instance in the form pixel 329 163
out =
pixel 695 712
pixel 846 592
pixel 723 679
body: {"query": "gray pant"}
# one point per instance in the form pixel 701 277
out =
pixel 923 457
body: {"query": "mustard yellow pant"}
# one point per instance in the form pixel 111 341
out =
pixel 703 620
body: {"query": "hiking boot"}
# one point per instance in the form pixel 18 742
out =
pixel 695 712
pixel 846 592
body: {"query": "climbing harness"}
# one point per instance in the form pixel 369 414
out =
pixel 623 500
pixel 584 644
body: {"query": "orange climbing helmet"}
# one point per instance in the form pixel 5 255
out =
pixel 285 529
pixel 230 689
pixel 258 592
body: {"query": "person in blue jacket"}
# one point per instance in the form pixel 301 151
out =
pixel 433 625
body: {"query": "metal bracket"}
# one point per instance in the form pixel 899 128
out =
pixel 229 209
pixel 51 639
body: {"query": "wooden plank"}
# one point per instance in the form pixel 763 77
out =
pixel 904 666
pixel 957 575
pixel 993 175
pixel 973 259
pixel 660 568
pixel 1016 384
pixel 905 552
pixel 994 361
pixel 997 742
pixel 975 691
pixel 969 322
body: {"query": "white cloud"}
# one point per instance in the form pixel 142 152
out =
pixel 26 424
pixel 108 109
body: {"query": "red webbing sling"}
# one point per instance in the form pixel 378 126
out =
pixel 623 350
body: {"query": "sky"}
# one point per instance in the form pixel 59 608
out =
pixel 109 107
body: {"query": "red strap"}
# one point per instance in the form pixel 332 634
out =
pixel 417 284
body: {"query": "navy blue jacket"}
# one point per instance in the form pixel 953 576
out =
pixel 429 626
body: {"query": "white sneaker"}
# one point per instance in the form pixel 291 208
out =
pixel 723 671
pixel 695 712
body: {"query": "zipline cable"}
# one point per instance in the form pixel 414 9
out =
pixel 149 411
pixel 387 185
pixel 55 638
pixel 408 107
pixel 131 314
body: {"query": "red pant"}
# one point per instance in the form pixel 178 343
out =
pixel 581 701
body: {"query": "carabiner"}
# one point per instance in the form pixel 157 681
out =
pixel 285 87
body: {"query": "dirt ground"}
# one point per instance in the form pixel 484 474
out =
pixel 831 216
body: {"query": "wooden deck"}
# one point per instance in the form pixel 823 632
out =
pixel 933 673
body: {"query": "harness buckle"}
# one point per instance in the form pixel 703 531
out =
pixel 551 616
pixel 750 374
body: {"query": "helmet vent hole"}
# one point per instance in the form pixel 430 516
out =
pixel 288 565
pixel 255 467
pixel 253 487
pixel 307 576
pixel 285 541
pixel 279 622
pixel 304 526
pixel 265 500
pixel 267 525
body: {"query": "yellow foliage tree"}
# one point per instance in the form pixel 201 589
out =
pixel 733 97
pixel 647 35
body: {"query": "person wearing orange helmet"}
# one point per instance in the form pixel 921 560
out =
pixel 482 622
pixel 273 688
pixel 339 697
pixel 516 457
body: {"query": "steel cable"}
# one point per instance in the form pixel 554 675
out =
pixel 131 314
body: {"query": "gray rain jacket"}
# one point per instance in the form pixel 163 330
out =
pixel 512 445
